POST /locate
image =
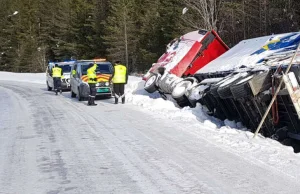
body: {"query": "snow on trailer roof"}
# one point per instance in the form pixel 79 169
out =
pixel 253 52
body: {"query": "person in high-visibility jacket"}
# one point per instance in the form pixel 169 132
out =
pixel 57 73
pixel 92 81
pixel 119 78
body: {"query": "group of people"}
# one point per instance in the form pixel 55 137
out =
pixel 119 78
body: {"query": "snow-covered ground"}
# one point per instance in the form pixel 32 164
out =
pixel 228 137
pixel 39 78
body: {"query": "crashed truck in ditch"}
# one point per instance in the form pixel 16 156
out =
pixel 184 56
pixel 240 84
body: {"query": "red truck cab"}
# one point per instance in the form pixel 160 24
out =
pixel 184 56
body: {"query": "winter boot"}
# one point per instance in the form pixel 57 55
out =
pixel 55 91
pixel 93 101
pixel 60 91
pixel 116 100
pixel 123 100
pixel 89 101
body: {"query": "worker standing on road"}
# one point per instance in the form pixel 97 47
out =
pixel 119 79
pixel 92 81
pixel 57 74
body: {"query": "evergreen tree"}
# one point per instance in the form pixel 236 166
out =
pixel 121 34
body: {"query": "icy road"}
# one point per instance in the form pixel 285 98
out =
pixel 54 144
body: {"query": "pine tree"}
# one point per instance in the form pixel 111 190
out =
pixel 121 34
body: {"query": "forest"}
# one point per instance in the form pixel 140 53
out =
pixel 136 32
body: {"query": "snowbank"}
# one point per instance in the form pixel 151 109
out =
pixel 38 78
pixel 227 135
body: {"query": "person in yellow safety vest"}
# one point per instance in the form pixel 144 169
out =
pixel 57 73
pixel 92 81
pixel 73 72
pixel 119 79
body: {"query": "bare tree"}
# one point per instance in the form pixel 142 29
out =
pixel 207 12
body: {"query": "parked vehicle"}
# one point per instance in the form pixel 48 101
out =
pixel 65 80
pixel 79 85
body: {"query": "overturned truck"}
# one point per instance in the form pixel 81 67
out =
pixel 240 84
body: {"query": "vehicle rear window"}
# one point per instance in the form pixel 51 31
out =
pixel 66 68
pixel 104 68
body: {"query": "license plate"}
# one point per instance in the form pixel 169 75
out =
pixel 102 90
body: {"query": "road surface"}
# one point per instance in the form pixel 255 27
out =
pixel 54 144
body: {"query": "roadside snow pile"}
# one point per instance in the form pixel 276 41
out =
pixel 38 78
pixel 227 135
pixel 136 95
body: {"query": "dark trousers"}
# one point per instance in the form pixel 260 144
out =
pixel 92 90
pixel 119 91
pixel 57 83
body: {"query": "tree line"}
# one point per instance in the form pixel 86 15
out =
pixel 135 32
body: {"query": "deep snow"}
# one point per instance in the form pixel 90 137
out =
pixel 227 135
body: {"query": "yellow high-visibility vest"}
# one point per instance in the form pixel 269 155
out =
pixel 56 72
pixel 120 74
pixel 92 76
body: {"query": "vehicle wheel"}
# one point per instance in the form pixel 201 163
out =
pixel 73 95
pixel 183 101
pixel 214 87
pixel 214 90
pixel 150 85
pixel 224 89
pixel 180 89
pixel 179 93
pixel 242 88
pixel 80 98
pixel 48 87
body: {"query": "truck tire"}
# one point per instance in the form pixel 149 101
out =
pixel 150 84
pixel 48 87
pixel 242 89
pixel 224 89
pixel 259 82
pixel 214 87
pixel 183 101
pixel 179 91
pixel 214 90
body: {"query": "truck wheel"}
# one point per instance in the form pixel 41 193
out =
pixel 48 87
pixel 183 101
pixel 224 89
pixel 242 88
pixel 214 90
pixel 178 93
pixel 214 87
pixel 150 85
pixel 180 89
